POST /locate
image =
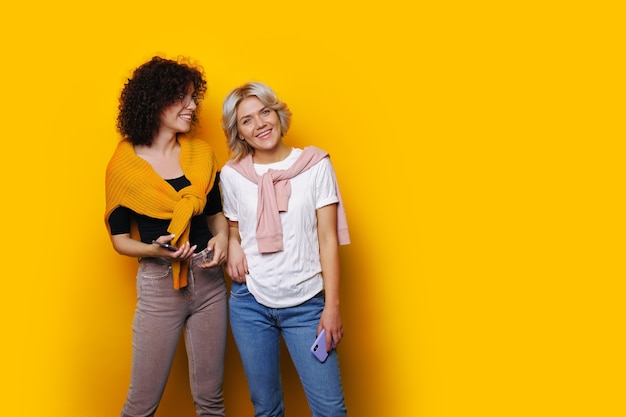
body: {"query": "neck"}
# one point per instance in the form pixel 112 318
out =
pixel 163 144
pixel 270 157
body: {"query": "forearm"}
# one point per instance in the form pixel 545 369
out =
pixel 237 264
pixel 233 233
pixel 125 245
pixel 218 226
pixel 329 253
pixel 329 259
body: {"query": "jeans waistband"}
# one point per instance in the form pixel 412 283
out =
pixel 203 256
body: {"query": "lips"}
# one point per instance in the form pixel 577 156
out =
pixel 265 134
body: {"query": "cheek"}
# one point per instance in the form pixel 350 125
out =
pixel 243 130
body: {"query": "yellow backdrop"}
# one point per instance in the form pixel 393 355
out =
pixel 479 146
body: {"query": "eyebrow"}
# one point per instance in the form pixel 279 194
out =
pixel 248 115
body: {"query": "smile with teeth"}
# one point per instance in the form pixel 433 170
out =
pixel 264 134
pixel 185 117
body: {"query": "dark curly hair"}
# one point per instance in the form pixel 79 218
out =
pixel 154 86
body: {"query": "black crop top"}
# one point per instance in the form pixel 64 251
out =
pixel 151 228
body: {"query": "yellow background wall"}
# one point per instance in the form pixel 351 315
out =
pixel 480 149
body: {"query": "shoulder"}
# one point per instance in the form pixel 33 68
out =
pixel 313 149
pixel 204 147
pixel 317 155
pixel 324 164
pixel 122 161
pixel 227 173
pixel 323 172
pixel 196 146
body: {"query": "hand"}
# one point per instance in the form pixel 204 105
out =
pixel 183 252
pixel 331 321
pixel 219 246
pixel 236 264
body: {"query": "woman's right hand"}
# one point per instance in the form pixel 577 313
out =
pixel 236 264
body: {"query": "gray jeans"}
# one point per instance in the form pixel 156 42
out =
pixel 162 313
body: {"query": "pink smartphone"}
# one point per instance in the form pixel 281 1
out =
pixel 318 348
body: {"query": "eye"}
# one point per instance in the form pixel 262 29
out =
pixel 194 97
pixel 181 96
pixel 265 111
pixel 245 121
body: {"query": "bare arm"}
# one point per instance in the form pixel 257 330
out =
pixel 125 245
pixel 329 258
pixel 218 226
pixel 237 265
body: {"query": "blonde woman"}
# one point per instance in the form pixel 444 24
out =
pixel 286 221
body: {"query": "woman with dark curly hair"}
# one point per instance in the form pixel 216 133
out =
pixel 163 206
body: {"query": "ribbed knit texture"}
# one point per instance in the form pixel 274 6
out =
pixel 131 182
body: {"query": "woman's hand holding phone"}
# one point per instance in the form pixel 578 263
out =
pixel 166 246
pixel 182 252
pixel 318 348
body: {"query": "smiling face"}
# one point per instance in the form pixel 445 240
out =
pixel 260 127
pixel 177 117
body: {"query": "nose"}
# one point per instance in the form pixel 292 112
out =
pixel 259 123
pixel 191 105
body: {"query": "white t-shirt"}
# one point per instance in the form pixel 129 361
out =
pixel 292 276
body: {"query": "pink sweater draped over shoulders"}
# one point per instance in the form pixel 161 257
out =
pixel 274 192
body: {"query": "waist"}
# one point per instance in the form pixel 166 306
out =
pixel 204 255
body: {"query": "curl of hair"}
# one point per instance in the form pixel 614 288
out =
pixel 239 148
pixel 154 86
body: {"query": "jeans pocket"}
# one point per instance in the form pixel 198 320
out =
pixel 156 270
pixel 154 278
pixel 239 290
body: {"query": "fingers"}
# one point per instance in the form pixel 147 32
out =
pixel 239 276
pixel 333 338
pixel 334 333
pixel 329 342
pixel 219 256
pixel 184 251
pixel 211 264
pixel 336 337
pixel 229 270
pixel 237 270
pixel 215 260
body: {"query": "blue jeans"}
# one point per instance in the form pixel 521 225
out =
pixel 162 313
pixel 257 331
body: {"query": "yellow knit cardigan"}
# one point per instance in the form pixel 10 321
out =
pixel 131 182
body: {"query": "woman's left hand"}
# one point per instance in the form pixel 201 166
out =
pixel 331 322
pixel 219 246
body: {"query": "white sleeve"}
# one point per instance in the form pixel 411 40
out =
pixel 228 182
pixel 325 184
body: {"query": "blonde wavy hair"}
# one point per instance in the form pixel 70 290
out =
pixel 239 148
